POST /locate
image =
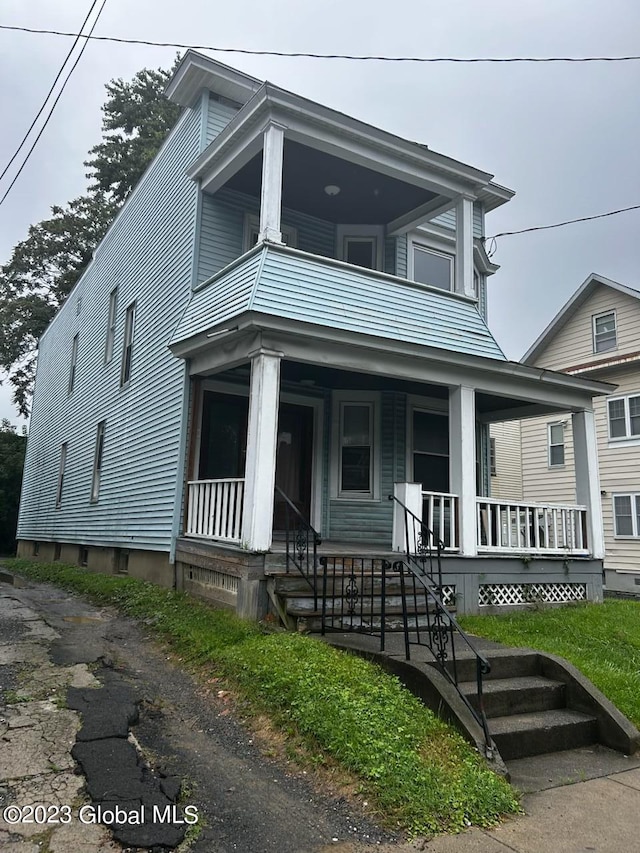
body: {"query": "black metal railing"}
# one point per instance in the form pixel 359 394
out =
pixel 354 595
pixel 302 542
pixel 427 621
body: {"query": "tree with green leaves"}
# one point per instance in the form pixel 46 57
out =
pixel 45 266
pixel 12 449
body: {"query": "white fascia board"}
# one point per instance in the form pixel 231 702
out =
pixel 196 72
pixel 494 195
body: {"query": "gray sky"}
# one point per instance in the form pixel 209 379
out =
pixel 564 137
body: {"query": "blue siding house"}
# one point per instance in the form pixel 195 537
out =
pixel 289 315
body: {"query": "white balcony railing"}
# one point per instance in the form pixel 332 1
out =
pixel 215 509
pixel 440 514
pixel 531 528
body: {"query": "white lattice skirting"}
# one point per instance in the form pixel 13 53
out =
pixel 210 577
pixel 504 594
pixel 448 595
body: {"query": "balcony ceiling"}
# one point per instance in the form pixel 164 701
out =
pixel 365 197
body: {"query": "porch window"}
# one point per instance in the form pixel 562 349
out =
pixel 111 325
pixel 252 230
pixel 431 267
pixel 624 417
pixel 626 510
pixel 127 352
pixel 354 472
pixel 97 462
pixel 360 245
pixel 492 457
pixel 223 438
pixel 556 445
pixel 431 451
pixel 604 332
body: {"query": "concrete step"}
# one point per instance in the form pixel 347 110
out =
pixel 504 664
pixel 520 735
pixel 311 621
pixel 520 695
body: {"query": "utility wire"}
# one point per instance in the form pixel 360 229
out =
pixel 54 104
pixel 360 57
pixel 50 92
pixel 492 239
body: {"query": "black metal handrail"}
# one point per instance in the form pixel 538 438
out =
pixel 302 542
pixel 422 546
pixel 434 626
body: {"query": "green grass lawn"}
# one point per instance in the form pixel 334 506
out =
pixel 421 775
pixel 602 640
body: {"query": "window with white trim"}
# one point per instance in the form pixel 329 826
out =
pixel 355 473
pixel 626 514
pixel 61 470
pixel 361 245
pixel 97 462
pixel 624 417
pixel 492 457
pixel 127 351
pixel 432 267
pixel 111 325
pixel 74 363
pixel 604 332
pixel 252 230
pixel 556 444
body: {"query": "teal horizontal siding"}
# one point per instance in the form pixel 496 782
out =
pixel 218 117
pixel 300 288
pixel 448 220
pixel 147 254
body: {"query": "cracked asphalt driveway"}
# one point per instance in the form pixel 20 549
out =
pixel 245 801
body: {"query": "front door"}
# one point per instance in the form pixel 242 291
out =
pixel 294 461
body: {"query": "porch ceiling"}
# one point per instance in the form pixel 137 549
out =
pixel 365 197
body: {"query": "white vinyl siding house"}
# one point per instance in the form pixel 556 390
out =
pixel 597 334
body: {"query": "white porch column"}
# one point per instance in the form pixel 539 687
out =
pixel 260 470
pixel 585 452
pixel 464 247
pixel 271 193
pixel 462 456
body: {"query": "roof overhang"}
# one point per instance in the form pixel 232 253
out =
pixel 342 136
pixel 196 72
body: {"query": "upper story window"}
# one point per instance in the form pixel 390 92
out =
pixel 74 363
pixel 111 325
pixel 429 266
pixel 604 332
pixel 361 245
pixel 556 445
pixel 127 352
pixel 252 230
pixel 624 417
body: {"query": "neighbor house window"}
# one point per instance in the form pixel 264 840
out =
pixel 626 511
pixel 624 417
pixel 111 324
pixel 604 332
pixel 431 267
pixel 252 230
pixel 556 445
pixel 97 462
pixel 492 456
pixel 61 469
pixel 127 352
pixel 74 363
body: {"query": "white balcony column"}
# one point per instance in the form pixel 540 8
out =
pixel 260 470
pixel 462 460
pixel 585 452
pixel 271 193
pixel 464 247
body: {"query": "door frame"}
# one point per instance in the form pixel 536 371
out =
pixel 315 403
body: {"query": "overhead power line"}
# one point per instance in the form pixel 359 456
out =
pixel 303 54
pixel 49 93
pixel 494 237
pixel 57 98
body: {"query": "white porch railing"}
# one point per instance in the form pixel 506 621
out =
pixel 215 509
pixel 531 528
pixel 440 514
